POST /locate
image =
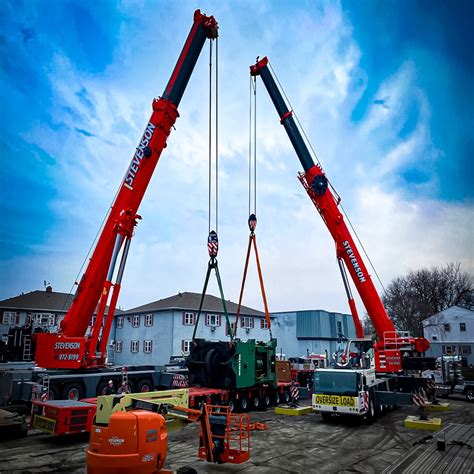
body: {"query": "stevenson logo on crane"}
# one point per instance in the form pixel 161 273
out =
pixel 355 263
pixel 142 150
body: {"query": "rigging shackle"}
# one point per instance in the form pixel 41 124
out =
pixel 252 222
pixel 212 244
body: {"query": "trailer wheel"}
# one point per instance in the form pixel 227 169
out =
pixel 469 394
pixel 265 401
pixel 256 402
pixel 144 385
pixel 73 391
pixel 231 405
pixel 277 398
pixel 285 396
pixel 244 404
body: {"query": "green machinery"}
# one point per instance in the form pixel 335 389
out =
pixel 232 365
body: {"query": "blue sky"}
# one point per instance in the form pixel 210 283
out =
pixel 383 89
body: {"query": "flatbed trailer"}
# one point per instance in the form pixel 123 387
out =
pixel 244 399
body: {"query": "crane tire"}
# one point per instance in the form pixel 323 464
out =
pixel 73 391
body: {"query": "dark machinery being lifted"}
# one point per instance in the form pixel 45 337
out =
pixel 232 365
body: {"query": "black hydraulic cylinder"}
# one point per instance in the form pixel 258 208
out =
pixel 203 27
pixel 286 117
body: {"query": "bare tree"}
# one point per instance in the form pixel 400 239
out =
pixel 411 299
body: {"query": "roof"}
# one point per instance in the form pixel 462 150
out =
pixel 190 301
pixel 454 312
pixel 40 300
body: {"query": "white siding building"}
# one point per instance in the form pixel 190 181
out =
pixel 451 332
pixel 152 333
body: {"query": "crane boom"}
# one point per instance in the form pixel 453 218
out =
pixel 71 348
pixel 326 202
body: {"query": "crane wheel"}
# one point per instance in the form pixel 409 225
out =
pixel 327 417
pixel 144 385
pixel 370 416
pixel 470 395
pixel 53 393
pixel 73 391
pixel 186 470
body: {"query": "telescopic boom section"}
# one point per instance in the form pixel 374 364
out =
pixel 316 184
pixel 70 348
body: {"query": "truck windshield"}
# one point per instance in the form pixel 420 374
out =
pixel 335 382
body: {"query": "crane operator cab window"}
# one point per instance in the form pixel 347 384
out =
pixel 356 353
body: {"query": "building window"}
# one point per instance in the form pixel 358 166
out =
pixel 447 327
pixel 10 318
pixel 136 321
pixel 134 346
pixel 449 350
pixel 147 346
pixel 43 319
pixel 263 323
pixel 213 320
pixel 188 319
pixel 465 350
pixel 462 327
pixel 119 322
pixel 246 322
pixel 339 327
pixel 232 328
pixel 148 320
pixel 186 346
pixel 118 346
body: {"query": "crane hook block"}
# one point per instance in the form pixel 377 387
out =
pixel 252 222
pixel 212 244
pixel 319 184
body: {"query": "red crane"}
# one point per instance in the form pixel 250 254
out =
pixel 391 344
pixel 70 348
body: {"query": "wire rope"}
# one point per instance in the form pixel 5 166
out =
pixel 210 138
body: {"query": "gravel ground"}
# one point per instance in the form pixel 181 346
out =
pixel 291 444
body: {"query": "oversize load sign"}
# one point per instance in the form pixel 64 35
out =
pixel 337 400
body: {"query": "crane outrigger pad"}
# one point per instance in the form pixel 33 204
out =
pixel 414 422
pixel 296 411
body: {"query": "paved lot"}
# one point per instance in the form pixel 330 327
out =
pixel 292 444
